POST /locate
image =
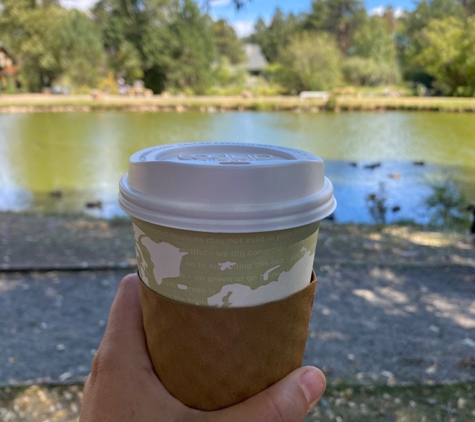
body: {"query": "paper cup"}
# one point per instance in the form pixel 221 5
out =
pixel 225 236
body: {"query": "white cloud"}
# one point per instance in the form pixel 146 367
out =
pixel 243 28
pixel 78 4
pixel 218 3
pixel 398 12
pixel 379 11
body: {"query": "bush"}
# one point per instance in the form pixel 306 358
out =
pixel 108 84
pixel 267 89
pixel 81 90
pixel 225 74
pixel 310 62
pixel 369 72
pixel 446 203
pixel 10 87
pixel 377 204
pixel 225 90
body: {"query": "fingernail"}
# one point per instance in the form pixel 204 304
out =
pixel 313 385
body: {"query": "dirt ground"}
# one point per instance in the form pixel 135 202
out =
pixel 392 325
pixel 48 242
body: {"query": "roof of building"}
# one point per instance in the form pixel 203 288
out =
pixel 256 61
pixel 3 47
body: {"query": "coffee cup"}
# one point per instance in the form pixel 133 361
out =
pixel 225 234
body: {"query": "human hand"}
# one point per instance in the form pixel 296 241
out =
pixel 123 387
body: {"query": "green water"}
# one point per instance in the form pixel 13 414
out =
pixel 85 154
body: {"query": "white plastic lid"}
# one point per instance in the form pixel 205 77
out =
pixel 226 187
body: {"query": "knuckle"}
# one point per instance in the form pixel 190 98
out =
pixel 128 280
pixel 103 363
pixel 283 408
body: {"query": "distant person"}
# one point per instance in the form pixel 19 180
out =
pixel 123 387
pixel 122 86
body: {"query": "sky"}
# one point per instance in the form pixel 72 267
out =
pixel 244 19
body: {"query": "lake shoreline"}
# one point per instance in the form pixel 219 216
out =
pixel 39 103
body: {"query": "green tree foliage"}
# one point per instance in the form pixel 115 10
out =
pixel 446 203
pixel 40 49
pixel 277 35
pixel 170 40
pixel 373 39
pixel 311 61
pixel 412 23
pixel 135 34
pixel 126 62
pixel 448 54
pixel 338 17
pixel 228 75
pixel 428 10
pixel 50 42
pixel 83 55
pixel 373 59
pixel 369 72
pixel 228 43
pixel 191 50
pixel 173 44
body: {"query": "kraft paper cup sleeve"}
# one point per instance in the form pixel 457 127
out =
pixel 211 358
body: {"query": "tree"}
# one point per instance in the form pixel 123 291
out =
pixel 373 39
pixel 191 50
pixel 275 37
pixel 172 39
pixel 226 75
pixel 227 42
pixel 135 34
pixel 428 10
pixel 365 71
pixel 50 42
pixel 311 61
pixel 372 58
pixel 338 17
pixel 127 62
pixel 119 22
pixel 411 25
pixel 469 7
pixel 83 55
pixel 448 54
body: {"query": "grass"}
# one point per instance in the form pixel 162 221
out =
pixel 341 403
pixel 41 103
pixel 418 403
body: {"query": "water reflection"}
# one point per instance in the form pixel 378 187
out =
pixel 84 154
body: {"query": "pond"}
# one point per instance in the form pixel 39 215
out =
pixel 83 155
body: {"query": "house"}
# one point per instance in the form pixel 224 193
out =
pixel 6 61
pixel 8 70
pixel 256 61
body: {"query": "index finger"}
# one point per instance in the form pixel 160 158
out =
pixel 125 336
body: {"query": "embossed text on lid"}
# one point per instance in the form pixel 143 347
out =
pixel 216 153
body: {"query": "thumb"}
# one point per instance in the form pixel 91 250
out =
pixel 289 400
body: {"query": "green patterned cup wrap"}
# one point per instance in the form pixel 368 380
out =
pixel 224 269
